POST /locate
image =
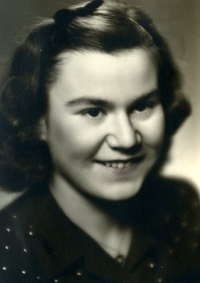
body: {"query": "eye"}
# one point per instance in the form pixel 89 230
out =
pixel 94 112
pixel 144 105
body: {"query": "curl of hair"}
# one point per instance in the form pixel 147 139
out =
pixel 24 158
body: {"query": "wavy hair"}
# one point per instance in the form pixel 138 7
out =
pixel 106 27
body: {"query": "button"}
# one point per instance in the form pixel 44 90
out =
pixel 79 273
pixel 120 259
pixel 151 265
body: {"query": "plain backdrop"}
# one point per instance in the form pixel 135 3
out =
pixel 177 20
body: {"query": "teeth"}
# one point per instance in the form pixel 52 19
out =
pixel 114 164
pixel 120 165
pixel 108 164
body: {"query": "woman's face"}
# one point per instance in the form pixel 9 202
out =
pixel 105 123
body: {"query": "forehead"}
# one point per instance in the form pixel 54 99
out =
pixel 98 61
pixel 98 73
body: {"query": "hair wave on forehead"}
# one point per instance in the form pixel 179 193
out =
pixel 109 27
pixel 112 27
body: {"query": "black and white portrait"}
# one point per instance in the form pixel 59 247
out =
pixel 99 144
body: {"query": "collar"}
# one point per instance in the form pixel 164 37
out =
pixel 55 238
pixel 67 245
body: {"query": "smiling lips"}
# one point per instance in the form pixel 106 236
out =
pixel 121 164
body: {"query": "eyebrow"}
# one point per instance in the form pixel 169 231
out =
pixel 89 100
pixel 106 103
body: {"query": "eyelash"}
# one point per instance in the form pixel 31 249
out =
pixel 144 105
pixel 91 112
pixel 138 108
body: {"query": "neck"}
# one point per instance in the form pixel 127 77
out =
pixel 89 215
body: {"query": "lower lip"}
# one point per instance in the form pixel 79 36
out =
pixel 134 167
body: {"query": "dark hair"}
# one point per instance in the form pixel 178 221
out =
pixel 111 27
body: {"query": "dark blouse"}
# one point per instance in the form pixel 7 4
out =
pixel 38 243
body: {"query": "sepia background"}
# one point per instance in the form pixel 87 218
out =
pixel 178 21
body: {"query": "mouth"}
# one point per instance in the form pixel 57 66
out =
pixel 121 164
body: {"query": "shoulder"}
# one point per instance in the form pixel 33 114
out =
pixel 177 185
pixel 164 198
pixel 37 240
pixel 170 210
pixel 178 200
pixel 177 196
pixel 177 219
pixel 14 213
pixel 171 214
pixel 172 194
pixel 23 210
pixel 17 241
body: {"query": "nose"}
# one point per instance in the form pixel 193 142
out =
pixel 122 133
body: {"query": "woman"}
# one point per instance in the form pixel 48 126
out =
pixel 88 110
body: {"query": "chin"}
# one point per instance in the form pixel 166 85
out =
pixel 123 193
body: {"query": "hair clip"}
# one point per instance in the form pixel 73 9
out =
pixel 92 6
pixel 64 16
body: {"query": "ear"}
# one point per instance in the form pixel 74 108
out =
pixel 42 129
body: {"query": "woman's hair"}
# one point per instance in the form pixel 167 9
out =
pixel 104 27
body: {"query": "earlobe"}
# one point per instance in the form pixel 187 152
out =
pixel 42 129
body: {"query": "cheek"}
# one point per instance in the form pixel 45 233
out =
pixel 69 139
pixel 60 137
pixel 153 131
